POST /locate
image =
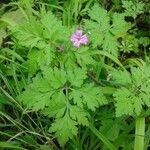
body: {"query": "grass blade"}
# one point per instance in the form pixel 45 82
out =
pixel 106 142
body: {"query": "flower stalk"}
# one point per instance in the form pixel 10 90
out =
pixel 139 133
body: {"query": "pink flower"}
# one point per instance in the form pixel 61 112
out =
pixel 78 38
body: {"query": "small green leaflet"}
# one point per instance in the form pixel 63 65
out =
pixel 145 41
pixel 46 29
pixel 127 103
pixel 129 43
pixel 40 35
pixel 132 8
pixel 28 34
pixel 56 106
pixel 72 57
pixel 56 77
pixel 76 77
pixel 121 77
pixel 65 96
pixel 84 56
pixel 77 113
pixel 36 59
pixel 37 94
pixel 104 33
pixel 65 128
pixel 133 94
pixel 52 28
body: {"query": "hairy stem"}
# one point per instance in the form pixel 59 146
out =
pixel 139 134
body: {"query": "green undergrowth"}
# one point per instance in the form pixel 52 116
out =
pixel 54 95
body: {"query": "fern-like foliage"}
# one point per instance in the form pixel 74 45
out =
pixel 48 42
pixel 65 96
pixel 132 8
pixel 129 44
pixel 133 95
pixel 72 57
pixel 38 32
pixel 41 35
pixel 105 30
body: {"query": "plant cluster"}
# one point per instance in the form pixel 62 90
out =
pixel 75 74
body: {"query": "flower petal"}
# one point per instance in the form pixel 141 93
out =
pixel 76 44
pixel 74 38
pixel 79 33
pixel 84 40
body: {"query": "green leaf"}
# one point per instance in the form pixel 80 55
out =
pixel 39 84
pixel 37 95
pixel 3 34
pixel 137 104
pixel 13 17
pixel 36 59
pixel 56 106
pixel 92 96
pixel 64 128
pixel 84 56
pixel 99 25
pixel 110 128
pixel 77 76
pixel 76 95
pixel 35 100
pixel 69 60
pixel 53 29
pixel 133 96
pixel 4 99
pixel 110 44
pixel 100 15
pixel 123 98
pixel 145 95
pixel 96 35
pixel 121 77
pixel 104 30
pixel 12 53
pixel 64 96
pixel 10 145
pixel 133 9
pixel 144 41
pixel 44 30
pixel 137 76
pixel 129 43
pixel 57 78
pixel 111 57
pixel 28 34
pixel 102 138
pixel 119 27
pixel 76 113
pixel 45 147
